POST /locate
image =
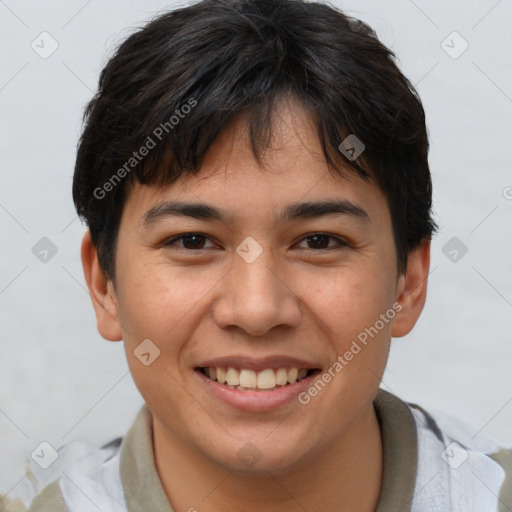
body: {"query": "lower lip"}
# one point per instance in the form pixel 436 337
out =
pixel 256 401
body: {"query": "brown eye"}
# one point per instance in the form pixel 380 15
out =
pixel 318 241
pixel 190 241
pixel 321 241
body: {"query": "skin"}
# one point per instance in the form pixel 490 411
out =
pixel 294 299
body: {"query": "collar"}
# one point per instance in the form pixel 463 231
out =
pixel 400 452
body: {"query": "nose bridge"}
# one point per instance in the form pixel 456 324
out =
pixel 254 297
pixel 256 276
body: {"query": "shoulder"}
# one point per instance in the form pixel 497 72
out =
pixel 471 471
pixel 81 476
pixel 48 498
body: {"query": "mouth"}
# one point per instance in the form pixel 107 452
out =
pixel 265 380
pixel 258 385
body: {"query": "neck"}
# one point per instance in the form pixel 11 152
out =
pixel 346 477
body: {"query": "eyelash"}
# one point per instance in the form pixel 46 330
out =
pixel 341 243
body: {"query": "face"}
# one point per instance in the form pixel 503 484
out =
pixel 251 287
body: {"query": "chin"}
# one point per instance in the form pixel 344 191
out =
pixel 259 456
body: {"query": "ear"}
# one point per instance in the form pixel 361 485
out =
pixel 102 292
pixel 412 290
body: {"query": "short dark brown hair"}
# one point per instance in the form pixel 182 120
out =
pixel 173 85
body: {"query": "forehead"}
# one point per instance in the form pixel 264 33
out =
pixel 289 182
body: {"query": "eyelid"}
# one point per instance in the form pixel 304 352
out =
pixel 181 236
pixel 341 241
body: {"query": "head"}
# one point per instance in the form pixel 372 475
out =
pixel 304 151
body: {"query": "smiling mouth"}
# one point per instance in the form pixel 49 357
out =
pixel 269 379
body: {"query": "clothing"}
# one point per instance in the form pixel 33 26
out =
pixel 430 463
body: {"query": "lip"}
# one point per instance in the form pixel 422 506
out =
pixel 256 401
pixel 258 364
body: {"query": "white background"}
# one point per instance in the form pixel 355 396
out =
pixel 59 380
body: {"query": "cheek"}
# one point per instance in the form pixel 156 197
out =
pixel 156 299
pixel 351 302
pixel 354 292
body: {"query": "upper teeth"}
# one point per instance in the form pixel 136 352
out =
pixel 264 379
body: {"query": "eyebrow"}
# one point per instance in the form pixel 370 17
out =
pixel 306 210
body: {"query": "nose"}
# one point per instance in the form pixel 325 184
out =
pixel 257 297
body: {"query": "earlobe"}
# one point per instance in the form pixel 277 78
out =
pixel 101 291
pixel 412 290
